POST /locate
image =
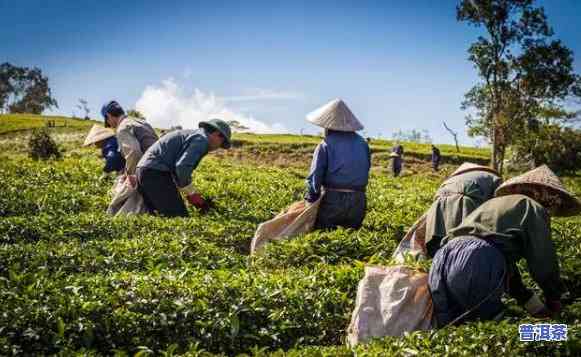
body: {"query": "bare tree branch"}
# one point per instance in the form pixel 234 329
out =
pixel 454 135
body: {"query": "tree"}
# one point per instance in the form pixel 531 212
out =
pixel 523 72
pixel 237 126
pixel 24 90
pixel 413 136
pixel 551 144
pixel 454 135
pixel 84 106
pixel 135 113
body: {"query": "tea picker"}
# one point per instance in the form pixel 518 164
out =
pixel 166 168
pixel 436 158
pixel 397 159
pixel 340 168
pixel 467 188
pixel 467 277
pixel 104 138
pixel 134 135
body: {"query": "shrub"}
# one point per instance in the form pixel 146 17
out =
pixel 42 146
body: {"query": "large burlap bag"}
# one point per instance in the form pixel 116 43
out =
pixel 298 218
pixel 126 199
pixel 390 301
pixel 413 243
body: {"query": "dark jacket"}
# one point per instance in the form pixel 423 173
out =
pixel 114 161
pixel 520 228
pixel 456 198
pixel 436 156
pixel 178 152
pixel 341 161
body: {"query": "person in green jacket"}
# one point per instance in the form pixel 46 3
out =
pixel 477 262
pixel 467 188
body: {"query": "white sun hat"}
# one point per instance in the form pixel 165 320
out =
pixel 98 133
pixel 335 115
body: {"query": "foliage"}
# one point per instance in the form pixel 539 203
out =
pixel 84 106
pixel 135 113
pixel 558 147
pixel 416 136
pixel 42 146
pixel 237 126
pixel 24 90
pixel 74 280
pixel 524 73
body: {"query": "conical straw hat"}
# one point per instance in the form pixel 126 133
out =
pixel 468 166
pixel 335 115
pixel 96 134
pixel 543 186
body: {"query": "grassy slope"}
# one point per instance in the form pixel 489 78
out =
pixel 16 122
pixel 73 279
pixel 410 147
pixel 258 143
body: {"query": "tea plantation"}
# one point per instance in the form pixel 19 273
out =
pixel 75 281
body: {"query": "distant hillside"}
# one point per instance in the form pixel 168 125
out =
pixel 265 146
pixel 17 122
pixel 294 143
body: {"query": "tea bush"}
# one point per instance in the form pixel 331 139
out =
pixel 42 146
pixel 74 280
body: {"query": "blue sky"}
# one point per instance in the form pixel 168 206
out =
pixel 397 64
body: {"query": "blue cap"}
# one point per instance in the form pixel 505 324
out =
pixel 112 106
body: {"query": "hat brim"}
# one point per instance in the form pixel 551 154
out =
pixel 335 115
pixel 227 144
pixel 570 205
pixel 97 134
pixel 478 168
pixel 97 139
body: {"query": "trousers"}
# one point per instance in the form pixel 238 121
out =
pixel 160 193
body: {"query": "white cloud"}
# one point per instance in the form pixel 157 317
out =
pixel 169 105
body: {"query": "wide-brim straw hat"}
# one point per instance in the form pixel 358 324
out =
pixel 98 133
pixel 469 166
pixel 542 184
pixel 335 115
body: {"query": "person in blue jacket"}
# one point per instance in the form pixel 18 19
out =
pixel 436 158
pixel 397 155
pixel 104 138
pixel 114 161
pixel 340 168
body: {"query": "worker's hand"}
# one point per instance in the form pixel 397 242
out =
pixel 196 200
pixel 188 190
pixel 132 180
pixel 536 308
